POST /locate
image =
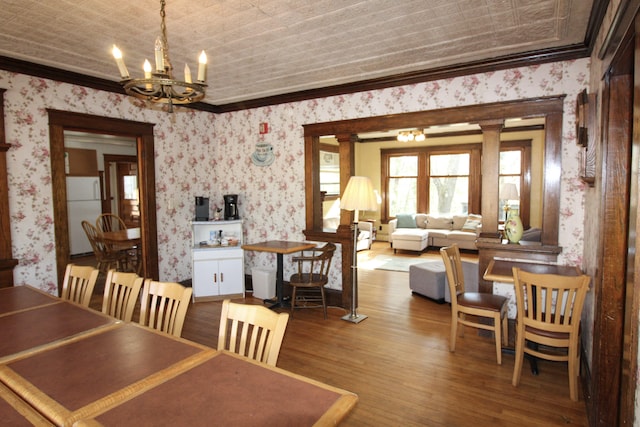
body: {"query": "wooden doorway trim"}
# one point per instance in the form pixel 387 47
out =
pixel 59 121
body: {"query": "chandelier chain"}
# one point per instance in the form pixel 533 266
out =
pixel 165 44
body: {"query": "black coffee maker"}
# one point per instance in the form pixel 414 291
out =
pixel 231 206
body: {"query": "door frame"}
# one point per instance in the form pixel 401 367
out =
pixel 59 121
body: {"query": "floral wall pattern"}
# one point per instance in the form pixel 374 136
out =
pixel 202 154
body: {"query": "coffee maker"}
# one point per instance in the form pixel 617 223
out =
pixel 202 208
pixel 231 206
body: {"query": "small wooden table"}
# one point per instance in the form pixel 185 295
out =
pixel 279 247
pixel 501 270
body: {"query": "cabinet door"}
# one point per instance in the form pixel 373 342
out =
pixel 205 278
pixel 231 278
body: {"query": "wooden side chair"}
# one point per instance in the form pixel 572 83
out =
pixel 112 222
pixel 164 306
pixel 475 304
pixel 549 311
pixel 313 273
pixel 105 257
pixel 109 222
pixel 121 292
pixel 78 283
pixel 252 331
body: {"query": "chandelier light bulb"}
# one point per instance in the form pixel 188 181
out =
pixel 202 67
pixel 117 55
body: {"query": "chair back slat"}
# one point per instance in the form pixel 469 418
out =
pixel 252 331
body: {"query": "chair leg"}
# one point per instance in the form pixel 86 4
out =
pixel 324 302
pixel 293 300
pixel 454 332
pixel 573 373
pixel 497 332
pixel 519 356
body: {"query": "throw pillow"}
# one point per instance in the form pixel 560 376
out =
pixel 406 221
pixel 472 223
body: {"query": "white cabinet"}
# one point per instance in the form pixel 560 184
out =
pixel 218 269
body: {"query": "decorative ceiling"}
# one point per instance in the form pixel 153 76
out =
pixel 265 48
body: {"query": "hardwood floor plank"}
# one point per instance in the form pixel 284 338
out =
pixel 399 364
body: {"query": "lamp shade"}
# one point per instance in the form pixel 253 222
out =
pixel 509 191
pixel 359 196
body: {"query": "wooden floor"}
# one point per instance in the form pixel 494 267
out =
pixel 399 364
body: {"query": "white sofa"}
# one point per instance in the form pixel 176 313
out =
pixel 365 235
pixel 418 231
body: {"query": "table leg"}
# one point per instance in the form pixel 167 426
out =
pixel 279 301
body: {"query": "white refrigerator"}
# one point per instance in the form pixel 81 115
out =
pixel 83 204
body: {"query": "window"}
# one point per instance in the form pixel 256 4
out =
pixel 445 180
pixel 449 183
pixel 402 184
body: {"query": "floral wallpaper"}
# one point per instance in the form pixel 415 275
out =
pixel 203 154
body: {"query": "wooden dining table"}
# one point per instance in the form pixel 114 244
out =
pixel 99 371
pixel 127 238
pixel 280 248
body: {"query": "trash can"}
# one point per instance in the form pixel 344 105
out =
pixel 264 283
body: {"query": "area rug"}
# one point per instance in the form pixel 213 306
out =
pixel 393 263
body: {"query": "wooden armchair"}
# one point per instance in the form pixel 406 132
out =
pixel 313 273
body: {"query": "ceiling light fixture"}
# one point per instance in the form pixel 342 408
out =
pixel 160 86
pixel 411 135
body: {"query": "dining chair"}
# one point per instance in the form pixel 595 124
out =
pixel 480 306
pixel 253 331
pixel 106 258
pixel 110 222
pixel 78 283
pixel 311 277
pixel 121 292
pixel 164 306
pixel 549 307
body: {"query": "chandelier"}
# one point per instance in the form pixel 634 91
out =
pixel 160 86
pixel 411 135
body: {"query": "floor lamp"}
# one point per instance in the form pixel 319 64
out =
pixel 358 196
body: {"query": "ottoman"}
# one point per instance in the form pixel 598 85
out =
pixel 429 279
pixel 411 239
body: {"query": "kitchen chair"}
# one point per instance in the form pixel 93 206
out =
pixel 549 309
pixel 121 292
pixel 252 331
pixel 164 306
pixel 109 222
pixel 112 222
pixel 78 283
pixel 105 257
pixel 313 273
pixel 475 304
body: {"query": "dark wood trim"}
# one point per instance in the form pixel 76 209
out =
pixel 7 262
pixel 345 130
pixel 59 121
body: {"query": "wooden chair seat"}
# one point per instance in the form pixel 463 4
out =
pixel 481 301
